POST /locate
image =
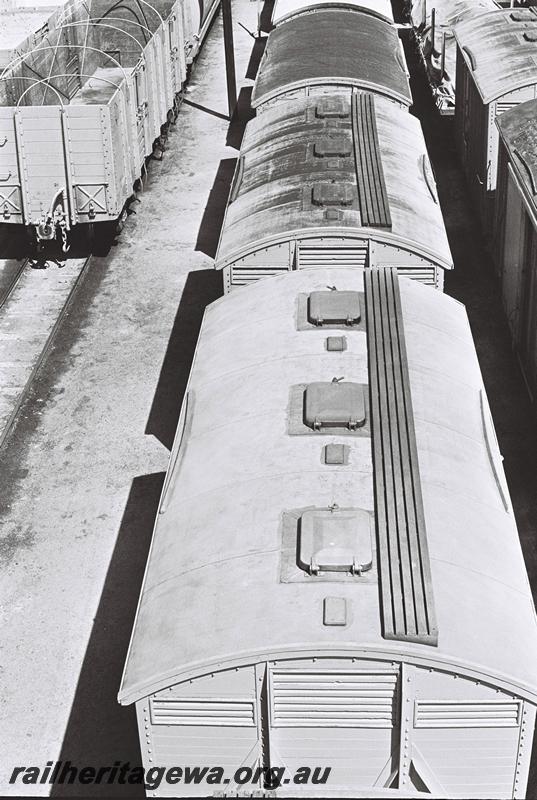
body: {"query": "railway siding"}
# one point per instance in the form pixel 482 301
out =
pixel 29 316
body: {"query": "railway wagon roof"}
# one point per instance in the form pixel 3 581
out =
pixel 327 45
pixel 215 593
pixel 500 50
pixel 518 129
pixel 284 8
pixel 449 12
pixel 288 154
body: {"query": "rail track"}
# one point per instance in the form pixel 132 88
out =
pixel 33 304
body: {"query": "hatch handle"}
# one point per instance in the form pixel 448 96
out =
pixel 4 142
pixel 5 178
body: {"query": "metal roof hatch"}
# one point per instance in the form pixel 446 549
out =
pixel 330 107
pixel 334 405
pixel 335 539
pixel 334 307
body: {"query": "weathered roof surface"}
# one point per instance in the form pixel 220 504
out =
pixel 518 129
pixel 321 46
pixel 448 13
pixel 272 196
pixel 284 8
pixel 500 49
pixel 212 596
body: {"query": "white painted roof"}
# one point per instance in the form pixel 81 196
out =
pixel 212 596
pixel 284 8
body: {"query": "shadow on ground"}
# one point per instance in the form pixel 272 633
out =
pixel 100 731
pixel 201 288
pixel 242 116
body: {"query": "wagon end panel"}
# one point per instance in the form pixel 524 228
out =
pixel 339 716
pixel 95 190
pixel 473 738
pixel 212 720
pixel 11 208
pixel 44 170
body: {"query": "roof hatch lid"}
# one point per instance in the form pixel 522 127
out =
pixel 332 147
pixel 523 15
pixel 332 194
pixel 330 107
pixel 335 539
pixel 334 307
pixel 334 405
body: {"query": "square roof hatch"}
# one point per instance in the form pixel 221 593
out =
pixel 335 540
pixel 334 307
pixel 330 107
pixel 334 146
pixel 332 194
pixel 334 405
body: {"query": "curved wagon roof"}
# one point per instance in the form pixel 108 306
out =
pixel 285 8
pixel 518 130
pixel 320 46
pixel 215 593
pixel 499 49
pixel 296 148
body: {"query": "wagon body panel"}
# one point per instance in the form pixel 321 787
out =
pixel 496 71
pixel 11 196
pixel 453 738
pixel 114 70
pixel 516 217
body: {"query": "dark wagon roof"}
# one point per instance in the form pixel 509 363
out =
pixel 308 145
pixel 327 45
pixel 518 130
pixel 500 50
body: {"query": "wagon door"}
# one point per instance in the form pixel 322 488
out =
pixel 43 158
pixel 343 718
pixel 143 139
pixel 10 189
pixel 177 51
pixel 156 89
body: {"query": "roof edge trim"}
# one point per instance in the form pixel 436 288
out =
pixel 431 658
pixel 366 86
pixel 328 6
pixel 377 234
